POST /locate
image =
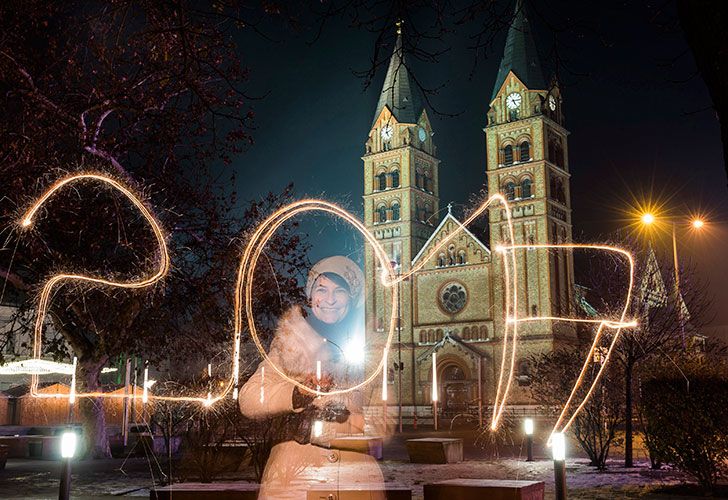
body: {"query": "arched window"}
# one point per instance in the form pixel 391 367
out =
pixel 466 333
pixel 441 260
pixel 382 181
pixel 439 334
pixel 395 211
pixel 461 257
pixel 508 155
pixel 451 256
pixel 382 211
pixel 419 179
pixel 395 179
pixel 525 151
pixel 483 332
pixel 510 191
pixel 526 188
pixel 423 337
pixel 427 182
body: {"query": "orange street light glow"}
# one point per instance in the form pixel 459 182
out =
pixel 647 218
pixel 698 223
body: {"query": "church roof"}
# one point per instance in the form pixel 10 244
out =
pixel 449 338
pixel 520 54
pixel 438 229
pixel 400 93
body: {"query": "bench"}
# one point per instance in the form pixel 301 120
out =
pixel 359 493
pixel 467 489
pixel 435 450
pixel 207 491
pixel 369 445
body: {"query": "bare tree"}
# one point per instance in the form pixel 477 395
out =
pixel 665 318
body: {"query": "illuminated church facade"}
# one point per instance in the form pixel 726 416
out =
pixel 455 305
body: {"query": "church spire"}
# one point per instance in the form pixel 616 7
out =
pixel 400 93
pixel 520 55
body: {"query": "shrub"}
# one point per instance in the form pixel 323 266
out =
pixel 688 425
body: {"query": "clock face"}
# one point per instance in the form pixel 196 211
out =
pixel 387 132
pixel 513 101
pixel 552 103
pixel 422 134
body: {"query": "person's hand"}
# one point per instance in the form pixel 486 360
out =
pixel 303 398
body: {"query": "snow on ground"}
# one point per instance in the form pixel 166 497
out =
pixel 32 479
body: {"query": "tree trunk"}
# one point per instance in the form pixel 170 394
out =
pixel 92 413
pixel 628 461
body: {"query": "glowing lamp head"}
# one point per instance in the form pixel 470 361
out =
pixel 647 218
pixel 697 223
pixel 528 426
pixel 558 446
pixel 68 444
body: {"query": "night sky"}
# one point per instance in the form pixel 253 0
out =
pixel 639 116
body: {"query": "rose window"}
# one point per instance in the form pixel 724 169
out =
pixel 453 297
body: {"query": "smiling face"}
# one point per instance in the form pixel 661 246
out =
pixel 329 301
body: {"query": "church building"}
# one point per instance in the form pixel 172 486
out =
pixel 455 305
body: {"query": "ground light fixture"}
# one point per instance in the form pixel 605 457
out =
pixel 69 440
pixel 528 429
pixel 558 450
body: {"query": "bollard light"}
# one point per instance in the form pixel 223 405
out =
pixel 558 449
pixel 68 444
pixel 528 426
pixel 558 446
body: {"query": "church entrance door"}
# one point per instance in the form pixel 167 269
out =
pixel 456 391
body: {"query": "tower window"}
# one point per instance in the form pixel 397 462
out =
pixel 382 181
pixel 510 191
pixel 526 188
pixel 382 213
pixel 418 179
pixel 395 179
pixel 508 155
pixel 427 182
pixel 525 153
pixel 461 257
pixel 395 211
pixel 441 260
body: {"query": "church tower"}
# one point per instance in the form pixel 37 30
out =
pixel 527 161
pixel 400 198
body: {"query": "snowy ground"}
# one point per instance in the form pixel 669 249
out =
pixel 31 479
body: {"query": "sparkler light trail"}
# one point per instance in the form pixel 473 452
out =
pixel 244 297
pixel 262 234
pixel 58 280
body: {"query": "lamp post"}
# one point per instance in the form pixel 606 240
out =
pixel 696 223
pixel 399 366
pixel 558 450
pixel 528 428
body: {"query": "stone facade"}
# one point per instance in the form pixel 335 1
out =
pixel 456 303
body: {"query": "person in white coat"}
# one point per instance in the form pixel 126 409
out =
pixel 310 346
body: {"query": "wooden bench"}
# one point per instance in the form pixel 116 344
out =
pixel 208 491
pixel 369 445
pixel 359 493
pixel 467 489
pixel 435 450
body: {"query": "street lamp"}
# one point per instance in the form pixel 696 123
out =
pixel 558 450
pixel 696 223
pixel 528 428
